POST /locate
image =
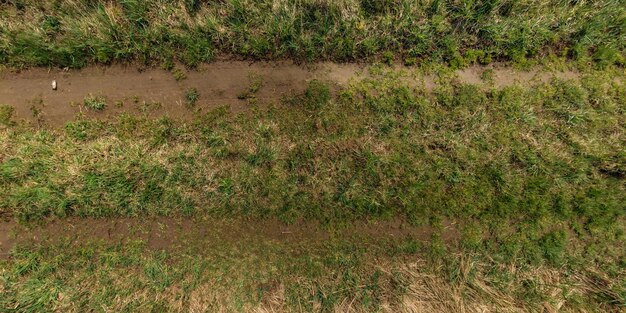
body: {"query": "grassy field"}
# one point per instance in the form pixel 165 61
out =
pixel 511 196
pixel 533 175
pixel 79 32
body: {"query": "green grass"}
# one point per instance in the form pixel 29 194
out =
pixel 532 175
pixel 76 33
pixel 94 102
pixel 191 97
pixel 381 148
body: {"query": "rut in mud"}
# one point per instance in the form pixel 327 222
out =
pixel 154 92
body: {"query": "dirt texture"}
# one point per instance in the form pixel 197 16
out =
pixel 154 92
pixel 174 234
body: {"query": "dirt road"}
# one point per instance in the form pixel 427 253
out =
pixel 156 92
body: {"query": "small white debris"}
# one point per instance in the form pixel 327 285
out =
pixel 54 85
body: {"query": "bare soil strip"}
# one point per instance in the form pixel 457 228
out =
pixel 154 92
pixel 174 234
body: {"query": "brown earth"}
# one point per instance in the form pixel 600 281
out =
pixel 174 234
pixel 154 92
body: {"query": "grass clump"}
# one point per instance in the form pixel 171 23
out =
pixel 179 74
pixel 191 97
pixel 95 102
pixel 6 115
pixel 256 82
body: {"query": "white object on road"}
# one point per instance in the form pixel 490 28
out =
pixel 54 85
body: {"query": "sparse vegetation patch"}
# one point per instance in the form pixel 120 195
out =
pixel 191 97
pixel 95 102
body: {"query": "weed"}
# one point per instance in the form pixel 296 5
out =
pixel 316 95
pixel 192 6
pixel 376 7
pixel 51 25
pixel 147 107
pixel 94 102
pixel 410 61
pixel 179 74
pixel 487 76
pixel 191 97
pixel 6 115
pixel 256 82
pixel 388 57
pixel 263 155
pixel 37 113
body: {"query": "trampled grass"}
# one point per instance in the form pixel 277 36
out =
pixel 76 33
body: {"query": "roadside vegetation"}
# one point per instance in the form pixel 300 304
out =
pixel 532 175
pixel 77 33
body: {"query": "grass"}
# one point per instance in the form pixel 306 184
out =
pixel 389 149
pixel 531 176
pixel 256 82
pixel 179 74
pixel 542 156
pixel 94 102
pixel 519 191
pixel 253 272
pixel 77 33
pixel 6 115
pixel 191 97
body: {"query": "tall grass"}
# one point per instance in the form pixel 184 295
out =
pixel 76 33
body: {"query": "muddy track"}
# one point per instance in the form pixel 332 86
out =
pixel 154 92
pixel 175 234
